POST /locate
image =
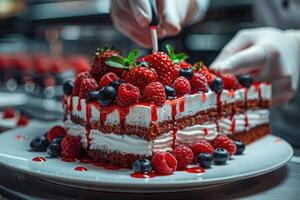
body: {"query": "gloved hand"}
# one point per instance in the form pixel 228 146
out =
pixel 269 54
pixel 132 17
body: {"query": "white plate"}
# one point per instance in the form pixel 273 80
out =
pixel 261 157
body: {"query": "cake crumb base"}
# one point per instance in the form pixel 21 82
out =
pixel 253 134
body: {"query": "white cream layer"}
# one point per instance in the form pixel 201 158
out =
pixel 239 122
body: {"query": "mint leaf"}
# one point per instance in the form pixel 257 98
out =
pixel 182 56
pixel 115 61
pixel 133 55
pixel 170 51
pixel 114 64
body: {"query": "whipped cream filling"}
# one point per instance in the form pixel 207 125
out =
pixel 243 122
pixel 129 143
pixel 207 131
pixel 73 129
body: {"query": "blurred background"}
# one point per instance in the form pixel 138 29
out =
pixel 44 42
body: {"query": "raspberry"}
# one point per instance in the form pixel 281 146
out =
pixel 9 113
pixel 70 147
pixel 23 121
pixel 199 83
pixel 230 82
pixel 127 94
pixel 184 65
pixel 107 79
pixel 140 77
pixel 164 67
pixel 222 141
pixel 87 85
pixel 164 163
pixel 78 79
pixel 155 93
pixel 201 146
pixel 182 86
pixel 56 131
pixel 184 156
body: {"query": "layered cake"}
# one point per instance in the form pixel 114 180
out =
pixel 129 108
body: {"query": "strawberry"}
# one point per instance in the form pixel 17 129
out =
pixel 127 94
pixel 99 67
pixel 78 79
pixel 199 83
pixel 87 85
pixel 182 86
pixel 107 79
pixel 230 82
pixel 164 67
pixel 140 77
pixel 155 93
pixel 56 131
pixel 8 113
pixel 199 67
pixel 70 147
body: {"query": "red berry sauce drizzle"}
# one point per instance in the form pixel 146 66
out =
pixel 39 159
pixel 195 170
pixel 203 97
pixel 81 169
pixel 79 104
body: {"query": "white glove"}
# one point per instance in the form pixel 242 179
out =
pixel 268 53
pixel 132 17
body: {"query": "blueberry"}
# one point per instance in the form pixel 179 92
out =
pixel 106 95
pixel 91 96
pixel 170 92
pixel 220 156
pixel 57 140
pixel 245 80
pixel 186 72
pixel 68 86
pixel 240 147
pixel 205 160
pixel 142 165
pixel 39 143
pixel 116 83
pixel 53 150
pixel 217 85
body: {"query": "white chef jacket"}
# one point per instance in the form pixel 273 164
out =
pixel 283 14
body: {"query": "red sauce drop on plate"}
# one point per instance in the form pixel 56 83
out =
pixel 143 175
pixel 39 159
pixel 195 170
pixel 81 169
pixel 20 137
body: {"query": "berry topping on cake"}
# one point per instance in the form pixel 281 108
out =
pixel 164 163
pixel 107 79
pixel 199 83
pixel 245 80
pixel 240 147
pixel 170 92
pixel 182 86
pixel 225 142
pixel 99 67
pixel 166 71
pixel 217 85
pixel 140 77
pixel 116 84
pixel 142 165
pixel 230 82
pixel 9 113
pixel 70 147
pixel 205 160
pixel 201 146
pixel 23 121
pixel 55 132
pixel 184 156
pixel 53 150
pixel 91 96
pixel 127 94
pixel 154 93
pixel 78 79
pixel 68 86
pixel 106 95
pixel 186 72
pixel 87 85
pixel 39 143
pixel 220 156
